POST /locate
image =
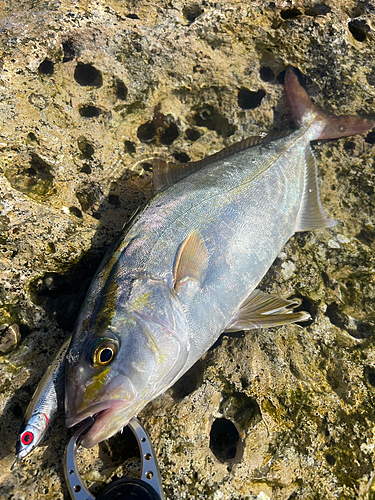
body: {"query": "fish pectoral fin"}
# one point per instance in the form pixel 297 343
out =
pixel 191 261
pixel 311 214
pixel 263 310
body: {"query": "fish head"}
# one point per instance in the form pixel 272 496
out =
pixel 112 376
pixel 96 385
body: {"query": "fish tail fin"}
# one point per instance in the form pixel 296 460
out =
pixel 327 126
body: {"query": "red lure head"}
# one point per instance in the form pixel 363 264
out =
pixel 27 438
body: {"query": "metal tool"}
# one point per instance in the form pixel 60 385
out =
pixel 149 487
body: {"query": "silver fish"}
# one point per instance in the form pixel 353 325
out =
pixel 187 268
pixel 43 406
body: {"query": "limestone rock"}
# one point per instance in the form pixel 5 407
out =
pixel 90 88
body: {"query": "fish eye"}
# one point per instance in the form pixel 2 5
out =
pixel 27 438
pixel 105 352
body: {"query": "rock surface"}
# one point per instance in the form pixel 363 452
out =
pixel 90 88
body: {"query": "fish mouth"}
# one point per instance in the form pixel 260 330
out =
pixel 104 426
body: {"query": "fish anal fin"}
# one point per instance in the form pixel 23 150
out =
pixel 263 310
pixel 191 261
pixel 311 213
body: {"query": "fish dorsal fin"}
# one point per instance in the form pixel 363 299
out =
pixel 248 143
pixel 167 173
pixel 263 310
pixel 191 261
pixel 311 214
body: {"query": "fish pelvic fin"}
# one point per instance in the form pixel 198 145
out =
pixel 191 261
pixel 311 214
pixel 263 310
pixel 327 126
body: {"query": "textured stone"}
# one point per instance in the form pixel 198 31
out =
pixel 90 88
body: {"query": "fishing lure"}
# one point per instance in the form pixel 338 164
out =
pixel 43 406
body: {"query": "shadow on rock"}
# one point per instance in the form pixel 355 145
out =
pixel 61 296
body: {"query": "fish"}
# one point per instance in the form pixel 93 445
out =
pixel 188 266
pixel 43 406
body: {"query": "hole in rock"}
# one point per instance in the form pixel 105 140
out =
pixel 85 169
pixel 85 147
pixel 359 29
pixel 50 285
pixel 31 137
pixel 281 77
pixel 88 194
pixel 369 374
pixel 146 132
pixel 349 146
pixel 370 138
pixel 131 16
pixel 68 50
pixel 121 447
pixel 290 13
pixel 240 408
pixel 266 74
pixel 46 68
pixel 198 69
pixel 89 111
pixel 192 11
pixel 51 248
pixel 225 442
pixel 366 236
pixel 192 134
pixel 129 147
pixel 318 9
pixel 76 212
pixel 330 459
pixel 207 116
pixel 114 200
pixel 31 175
pixel 309 307
pixel 248 99
pixel 87 75
pixel 293 496
pixel 181 157
pixel 356 328
pixel 170 134
pixel 121 90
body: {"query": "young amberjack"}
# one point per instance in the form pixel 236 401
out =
pixel 188 266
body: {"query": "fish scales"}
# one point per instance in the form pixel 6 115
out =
pixel 253 229
pixel 272 188
pixel 188 266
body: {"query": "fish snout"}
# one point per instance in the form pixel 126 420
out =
pixel 83 401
